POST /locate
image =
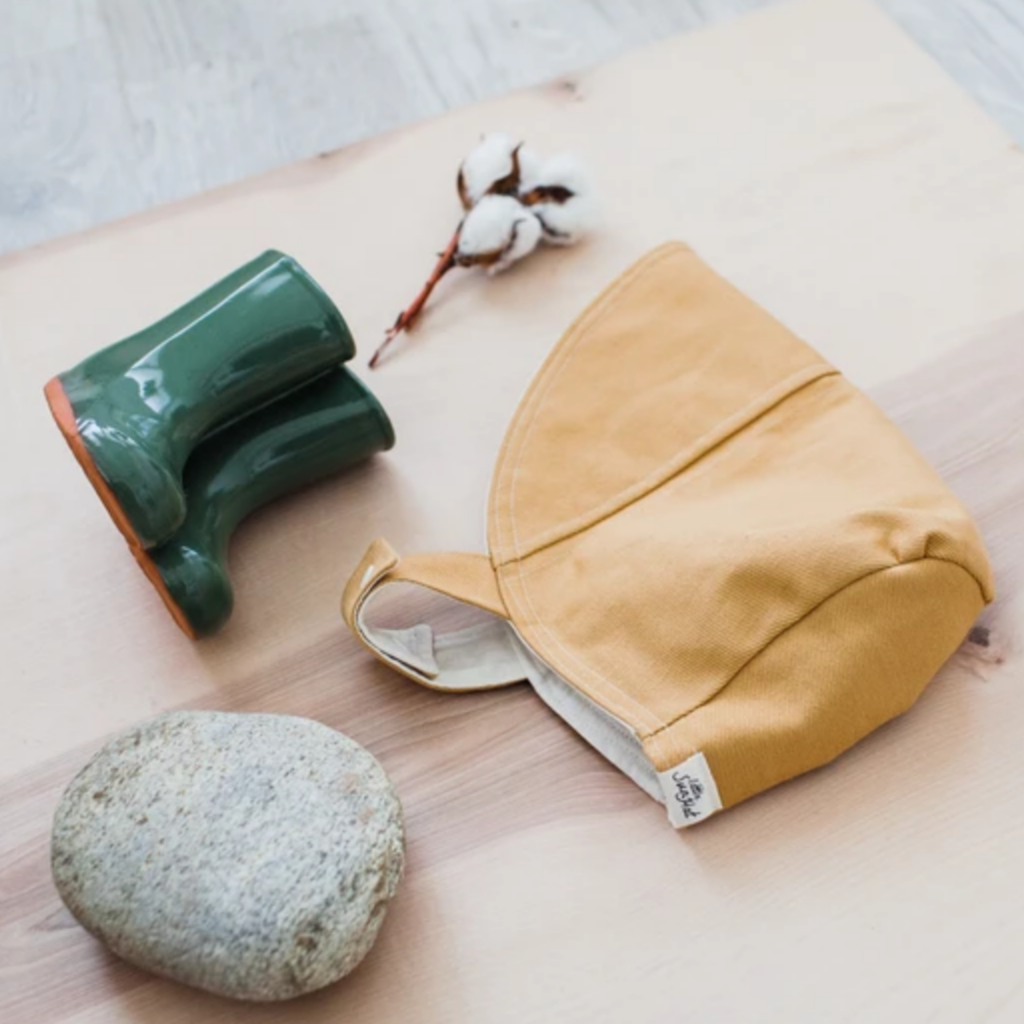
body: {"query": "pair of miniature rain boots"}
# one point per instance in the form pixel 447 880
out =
pixel 234 399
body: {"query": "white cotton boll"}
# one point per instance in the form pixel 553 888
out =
pixel 561 196
pixel 526 233
pixel 488 226
pixel 498 231
pixel 530 165
pixel 566 223
pixel 564 170
pixel 489 162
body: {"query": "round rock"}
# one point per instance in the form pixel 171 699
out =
pixel 249 855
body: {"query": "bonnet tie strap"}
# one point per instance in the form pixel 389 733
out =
pixel 480 656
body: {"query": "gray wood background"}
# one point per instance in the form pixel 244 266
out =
pixel 111 106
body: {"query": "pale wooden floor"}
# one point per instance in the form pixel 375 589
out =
pixel 108 107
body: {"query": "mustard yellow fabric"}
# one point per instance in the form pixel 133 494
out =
pixel 704 528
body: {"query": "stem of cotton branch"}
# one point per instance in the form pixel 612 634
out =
pixel 405 319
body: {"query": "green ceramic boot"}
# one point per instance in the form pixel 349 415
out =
pixel 317 430
pixel 133 412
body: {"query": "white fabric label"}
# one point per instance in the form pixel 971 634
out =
pixel 690 792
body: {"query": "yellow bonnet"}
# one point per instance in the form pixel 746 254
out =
pixel 713 556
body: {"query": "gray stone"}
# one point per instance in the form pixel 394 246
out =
pixel 249 855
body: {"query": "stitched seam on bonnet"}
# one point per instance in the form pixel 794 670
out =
pixel 704 446
pixel 806 615
pixel 613 301
pixel 566 348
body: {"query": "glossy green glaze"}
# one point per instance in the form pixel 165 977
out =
pixel 315 431
pixel 141 405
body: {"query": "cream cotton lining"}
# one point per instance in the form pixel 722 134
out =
pixel 490 654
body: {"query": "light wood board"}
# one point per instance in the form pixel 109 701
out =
pixel 827 167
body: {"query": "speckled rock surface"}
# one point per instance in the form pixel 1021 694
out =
pixel 250 855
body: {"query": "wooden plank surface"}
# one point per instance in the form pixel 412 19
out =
pixel 844 182
pixel 108 107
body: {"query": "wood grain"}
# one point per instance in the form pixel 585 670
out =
pixel 432 745
pixel 108 107
pixel 877 215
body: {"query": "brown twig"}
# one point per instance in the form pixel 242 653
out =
pixel 405 319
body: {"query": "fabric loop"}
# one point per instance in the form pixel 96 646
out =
pixel 481 656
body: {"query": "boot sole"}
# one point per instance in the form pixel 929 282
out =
pixel 148 566
pixel 64 416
